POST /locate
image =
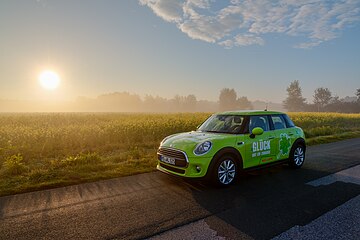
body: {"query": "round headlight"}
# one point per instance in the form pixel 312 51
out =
pixel 202 148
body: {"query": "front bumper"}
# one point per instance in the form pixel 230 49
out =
pixel 197 167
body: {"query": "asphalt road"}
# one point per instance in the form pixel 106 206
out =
pixel 262 205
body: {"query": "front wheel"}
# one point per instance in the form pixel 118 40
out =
pixel 225 171
pixel 297 156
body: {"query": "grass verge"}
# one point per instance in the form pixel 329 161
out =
pixel 332 138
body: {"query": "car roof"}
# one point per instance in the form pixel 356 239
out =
pixel 249 112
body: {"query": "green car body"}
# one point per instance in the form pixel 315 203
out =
pixel 229 142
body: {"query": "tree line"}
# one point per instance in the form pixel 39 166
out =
pixel 124 101
pixel 323 101
pixel 129 102
pixel 228 99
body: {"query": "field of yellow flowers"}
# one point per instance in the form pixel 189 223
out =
pixel 43 150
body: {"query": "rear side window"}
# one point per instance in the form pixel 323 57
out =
pixel 288 121
pixel 278 121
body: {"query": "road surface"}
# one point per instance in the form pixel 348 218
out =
pixel 262 205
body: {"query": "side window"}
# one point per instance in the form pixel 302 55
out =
pixel 288 121
pixel 278 121
pixel 259 121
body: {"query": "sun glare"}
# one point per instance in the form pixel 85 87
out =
pixel 49 80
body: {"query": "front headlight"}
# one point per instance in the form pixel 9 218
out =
pixel 202 148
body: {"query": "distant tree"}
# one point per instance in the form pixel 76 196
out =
pixel 119 101
pixel 184 104
pixel 149 103
pixel 357 93
pixel 322 97
pixel 294 101
pixel 244 103
pixel 155 104
pixel 190 103
pixel 335 105
pixel 227 99
pixel 207 106
pixel 335 100
pixel 177 102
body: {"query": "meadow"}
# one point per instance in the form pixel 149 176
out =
pixel 45 150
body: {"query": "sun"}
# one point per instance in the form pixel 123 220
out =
pixel 49 80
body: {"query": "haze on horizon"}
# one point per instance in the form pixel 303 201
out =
pixel 168 48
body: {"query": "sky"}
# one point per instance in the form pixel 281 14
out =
pixel 169 47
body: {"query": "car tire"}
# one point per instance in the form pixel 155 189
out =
pixel 225 171
pixel 297 156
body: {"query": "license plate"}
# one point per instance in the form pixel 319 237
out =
pixel 167 160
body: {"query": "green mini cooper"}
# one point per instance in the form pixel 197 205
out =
pixel 230 142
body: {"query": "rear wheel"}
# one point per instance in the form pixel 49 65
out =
pixel 297 156
pixel 225 171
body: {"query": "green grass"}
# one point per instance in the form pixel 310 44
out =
pixel 39 151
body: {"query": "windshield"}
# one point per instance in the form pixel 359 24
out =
pixel 222 124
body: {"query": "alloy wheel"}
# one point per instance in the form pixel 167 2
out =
pixel 226 171
pixel 299 156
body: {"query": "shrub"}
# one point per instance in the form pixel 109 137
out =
pixel 14 165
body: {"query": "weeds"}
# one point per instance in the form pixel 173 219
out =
pixel 80 159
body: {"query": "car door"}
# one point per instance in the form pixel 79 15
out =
pixel 260 149
pixel 284 136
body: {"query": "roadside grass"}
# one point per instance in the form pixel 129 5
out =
pixel 47 150
pixel 332 138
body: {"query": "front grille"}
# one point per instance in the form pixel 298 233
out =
pixel 179 156
pixel 172 168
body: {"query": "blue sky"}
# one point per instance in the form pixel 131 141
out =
pixel 179 47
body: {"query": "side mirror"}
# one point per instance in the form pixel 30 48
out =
pixel 256 131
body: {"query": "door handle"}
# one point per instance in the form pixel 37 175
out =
pixel 290 134
pixel 271 138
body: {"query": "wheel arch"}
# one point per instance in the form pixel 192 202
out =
pixel 224 151
pixel 300 141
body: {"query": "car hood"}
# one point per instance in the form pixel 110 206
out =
pixel 188 141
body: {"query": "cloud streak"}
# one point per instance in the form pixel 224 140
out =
pixel 246 22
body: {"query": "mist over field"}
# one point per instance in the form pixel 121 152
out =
pixel 323 101
pixel 127 102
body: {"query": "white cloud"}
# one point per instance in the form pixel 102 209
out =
pixel 169 10
pixel 246 22
pixel 308 45
pixel 242 40
pixel 203 28
pixel 248 39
